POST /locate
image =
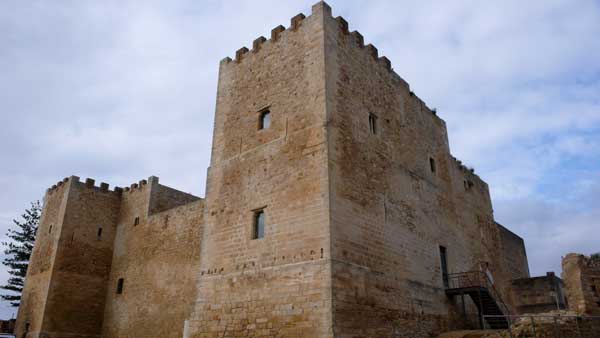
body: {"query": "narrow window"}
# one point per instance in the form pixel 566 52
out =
pixel 264 120
pixel 432 164
pixel 258 230
pixel 444 266
pixel 99 233
pixel 136 221
pixel 50 229
pixel 120 286
pixel 372 124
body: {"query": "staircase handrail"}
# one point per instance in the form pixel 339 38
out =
pixel 496 294
pixel 476 278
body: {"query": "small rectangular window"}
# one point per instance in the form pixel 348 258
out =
pixel 136 221
pixel 432 164
pixel 372 124
pixel 120 286
pixel 99 233
pixel 258 230
pixel 264 120
pixel 50 229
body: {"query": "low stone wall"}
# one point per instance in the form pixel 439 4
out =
pixel 564 325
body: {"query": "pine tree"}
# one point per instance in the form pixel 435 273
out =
pixel 18 251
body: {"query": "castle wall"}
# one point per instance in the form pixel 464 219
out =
pixel 158 261
pixel 538 294
pixel 277 285
pixel 80 253
pixel 358 190
pixel 390 212
pixel 37 282
pixel 581 275
pixel 75 302
pixel 80 262
pixel 514 256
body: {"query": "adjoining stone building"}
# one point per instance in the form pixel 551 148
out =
pixel 582 279
pixel 333 208
pixel 539 294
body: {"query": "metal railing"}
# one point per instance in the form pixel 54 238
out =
pixel 549 326
pixel 477 279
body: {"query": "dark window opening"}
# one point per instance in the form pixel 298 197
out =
pixel 372 123
pixel 136 221
pixel 120 286
pixel 264 120
pixel 50 229
pixel 258 230
pixel 99 233
pixel 444 266
pixel 432 164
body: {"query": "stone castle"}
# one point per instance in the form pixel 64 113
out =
pixel 333 208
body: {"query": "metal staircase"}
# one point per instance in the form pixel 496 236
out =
pixel 478 286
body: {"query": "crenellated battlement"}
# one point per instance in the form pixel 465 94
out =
pixel 463 167
pixel 358 40
pixel 469 173
pixel 355 37
pixel 276 33
pixel 141 184
pixel 90 183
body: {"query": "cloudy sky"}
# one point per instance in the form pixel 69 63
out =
pixel 121 90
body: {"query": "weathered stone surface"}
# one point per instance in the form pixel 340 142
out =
pixel 87 240
pixel 538 294
pixel 358 190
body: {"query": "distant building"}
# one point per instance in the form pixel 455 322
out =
pixel 582 279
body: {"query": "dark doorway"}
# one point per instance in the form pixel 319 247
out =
pixel 444 265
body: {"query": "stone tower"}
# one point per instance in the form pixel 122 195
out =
pixel 333 208
pixel 66 281
pixel 107 263
pixel 280 171
pixel 358 193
